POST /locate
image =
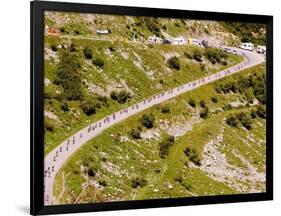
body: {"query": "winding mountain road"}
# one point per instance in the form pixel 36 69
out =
pixel 58 156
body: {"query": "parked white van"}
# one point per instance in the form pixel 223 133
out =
pixel 179 41
pixel 194 41
pixel 261 49
pixel 247 46
pixel 154 40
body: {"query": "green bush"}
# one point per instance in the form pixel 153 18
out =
pixel 121 96
pixel 148 120
pixel 254 114
pixel 165 145
pixel 91 171
pixel 88 53
pixel 138 182
pixel 174 63
pixel 72 47
pixel 192 155
pixel 202 104
pixel 113 95
pixel 165 109
pixel 245 120
pixel 215 55
pixel 204 113
pixel 54 48
pixel 191 102
pixel 152 25
pixel 68 76
pixel 232 121
pixel 261 111
pixel 135 133
pixel 89 107
pixel 49 126
pixel 98 62
pixel 188 55
pixel 178 178
pixel 214 99
pixel 111 48
pixel 64 106
pixel 197 55
pixel 62 29
pixel 102 182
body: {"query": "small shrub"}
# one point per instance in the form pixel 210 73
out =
pixel 72 48
pixel 178 178
pixel 227 107
pixel 111 48
pixel 197 55
pixel 98 62
pixel 204 113
pixel 202 104
pixel 62 29
pixel 49 126
pixel 165 109
pixel 174 63
pixel 191 102
pixel 216 55
pixel 88 53
pixel 254 114
pixel 261 111
pixel 214 99
pixel 232 121
pixel 202 67
pixel 192 155
pixel 89 107
pixel 135 133
pixel 54 48
pixel 138 182
pixel 147 120
pixel 102 182
pixel 91 172
pixel 245 120
pixel 188 55
pixel 122 96
pixel 113 95
pixel 64 106
pixel 165 146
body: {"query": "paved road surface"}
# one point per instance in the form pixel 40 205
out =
pixel 58 156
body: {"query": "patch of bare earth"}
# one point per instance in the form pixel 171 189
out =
pixel 216 166
pixel 179 126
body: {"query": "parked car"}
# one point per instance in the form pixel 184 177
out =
pixel 205 44
pixel 247 46
pixel 226 49
pixel 261 49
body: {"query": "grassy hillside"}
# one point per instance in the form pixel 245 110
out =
pixel 140 70
pixel 209 141
pixel 184 154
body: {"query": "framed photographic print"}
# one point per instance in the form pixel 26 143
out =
pixel 140 107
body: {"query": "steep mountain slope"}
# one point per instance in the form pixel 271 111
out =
pixel 135 68
pixel 209 141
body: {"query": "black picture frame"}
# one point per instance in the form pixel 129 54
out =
pixel 37 117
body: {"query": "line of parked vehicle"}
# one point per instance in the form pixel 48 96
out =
pixel 251 47
pixel 247 46
pixel 203 43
